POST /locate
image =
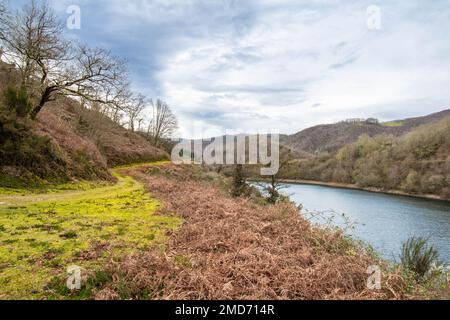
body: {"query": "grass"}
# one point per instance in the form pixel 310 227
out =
pixel 152 164
pixel 42 234
pixel 14 186
pixel 418 257
pixel 394 124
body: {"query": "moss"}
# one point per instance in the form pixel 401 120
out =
pixel 42 234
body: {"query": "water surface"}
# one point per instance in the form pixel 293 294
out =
pixel 383 221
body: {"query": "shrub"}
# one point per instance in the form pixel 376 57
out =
pixel 417 256
pixel 435 183
pixel 412 182
pixel 17 101
pixel 19 146
pixel 239 187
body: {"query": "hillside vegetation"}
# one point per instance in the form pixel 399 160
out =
pixel 332 137
pixel 67 110
pixel 66 141
pixel 416 163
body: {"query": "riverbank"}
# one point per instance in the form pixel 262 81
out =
pixel 241 248
pixel 355 187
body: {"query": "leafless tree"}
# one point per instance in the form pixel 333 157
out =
pixel 33 40
pixel 134 110
pixel 120 97
pixel 140 121
pixel 3 16
pixel 163 124
pixel 31 36
pixel 2 11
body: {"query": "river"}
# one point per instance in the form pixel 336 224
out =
pixel 384 221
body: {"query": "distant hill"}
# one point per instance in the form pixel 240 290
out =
pixel 417 162
pixel 332 137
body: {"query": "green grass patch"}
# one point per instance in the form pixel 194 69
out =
pixel 42 234
pixel 14 186
pixel 137 165
pixel 394 124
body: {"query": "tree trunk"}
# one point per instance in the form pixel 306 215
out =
pixel 44 99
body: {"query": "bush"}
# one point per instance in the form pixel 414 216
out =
pixel 19 147
pixel 435 183
pixel 240 187
pixel 17 101
pixel 418 257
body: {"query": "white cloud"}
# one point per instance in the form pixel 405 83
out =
pixel 254 65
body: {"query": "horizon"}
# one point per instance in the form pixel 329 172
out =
pixel 314 125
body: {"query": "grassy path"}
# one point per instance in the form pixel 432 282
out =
pixel 42 234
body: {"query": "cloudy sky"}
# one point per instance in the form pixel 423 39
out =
pixel 277 64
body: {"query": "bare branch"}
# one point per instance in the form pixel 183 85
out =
pixel 134 110
pixel 50 65
pixel 164 123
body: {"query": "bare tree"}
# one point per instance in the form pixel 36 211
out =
pixel 2 11
pixel 140 121
pixel 33 40
pixel 3 19
pixel 31 36
pixel 134 111
pixel 163 124
pixel 117 108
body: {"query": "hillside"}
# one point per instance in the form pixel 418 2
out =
pixel 332 137
pixel 66 142
pixel 417 162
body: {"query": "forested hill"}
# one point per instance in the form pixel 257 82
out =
pixel 332 137
pixel 417 162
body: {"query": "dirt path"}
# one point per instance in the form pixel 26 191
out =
pixel 9 200
pixel 26 199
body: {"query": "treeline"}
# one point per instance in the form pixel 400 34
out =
pixel 417 163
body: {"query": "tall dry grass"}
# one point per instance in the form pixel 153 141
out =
pixel 235 249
